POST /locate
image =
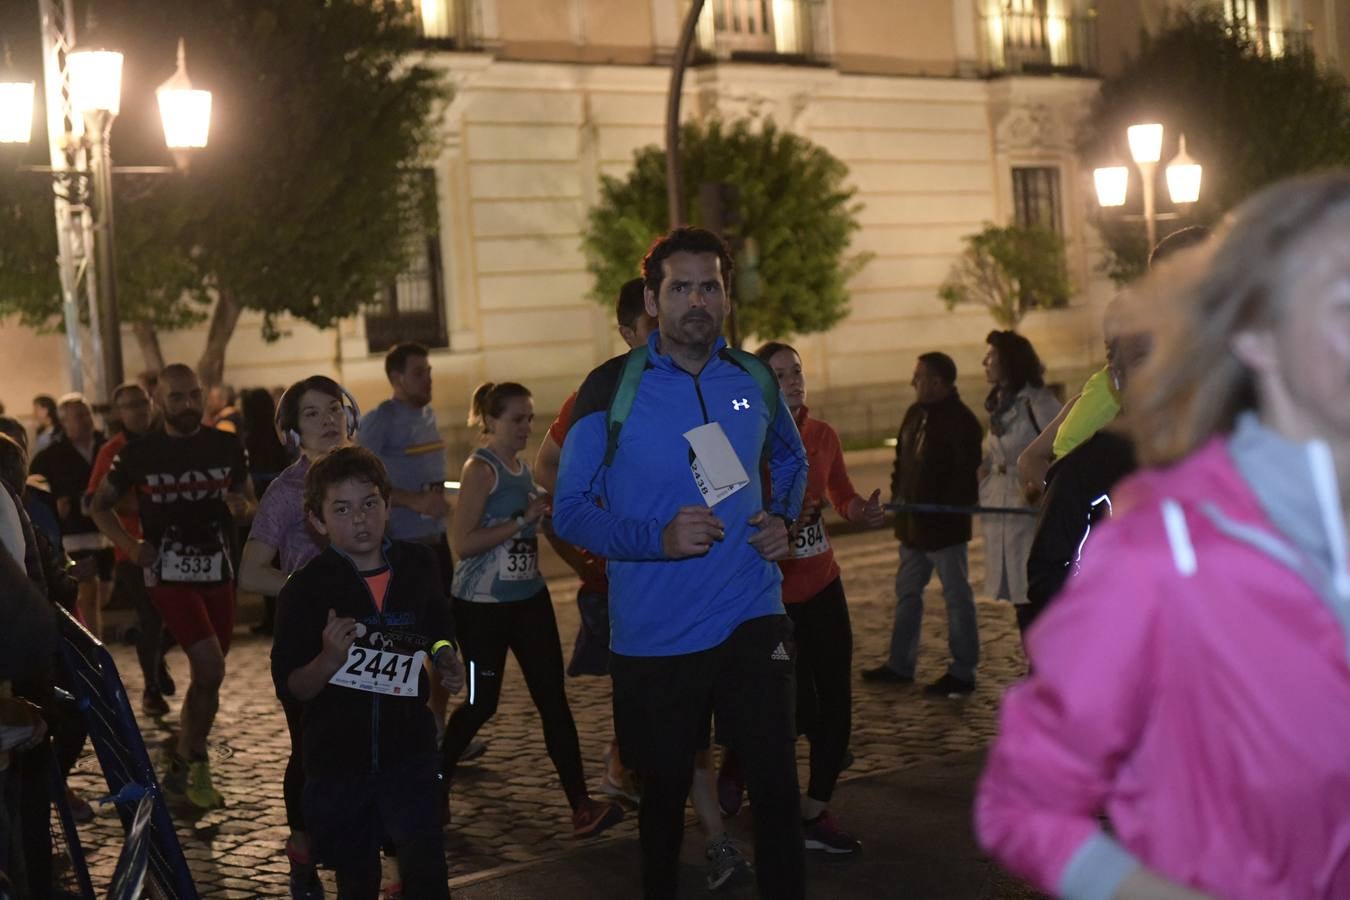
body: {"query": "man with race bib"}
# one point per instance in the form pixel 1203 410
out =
pixel 353 629
pixel 192 484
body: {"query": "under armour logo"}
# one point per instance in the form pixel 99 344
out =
pixel 780 653
pixel 742 403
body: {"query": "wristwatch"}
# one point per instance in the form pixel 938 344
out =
pixel 519 520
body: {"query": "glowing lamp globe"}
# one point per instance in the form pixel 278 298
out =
pixel 16 112
pixel 1145 143
pixel 1111 183
pixel 1183 176
pixel 95 81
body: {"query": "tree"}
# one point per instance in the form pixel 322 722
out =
pixel 301 205
pixel 1010 270
pixel 794 206
pixel 1248 117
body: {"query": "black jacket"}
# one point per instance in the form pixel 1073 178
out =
pixel 937 460
pixel 1077 496
pixel 67 474
pixel 348 731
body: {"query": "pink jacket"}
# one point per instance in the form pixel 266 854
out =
pixel 1192 684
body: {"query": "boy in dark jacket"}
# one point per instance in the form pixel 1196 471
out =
pixel 353 628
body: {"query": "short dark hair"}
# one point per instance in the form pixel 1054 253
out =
pixel 941 365
pixel 1181 239
pixel 685 239
pixel 396 360
pixel 772 349
pixel 14 428
pixel 632 303
pixel 288 410
pixel 1017 359
pixel 13 464
pixel 343 464
pixel 124 387
pixel 176 370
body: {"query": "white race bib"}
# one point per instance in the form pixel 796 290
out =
pixel 716 468
pixel 809 541
pixel 380 671
pixel 519 560
pixel 175 567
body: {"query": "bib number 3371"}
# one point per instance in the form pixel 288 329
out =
pixel 380 671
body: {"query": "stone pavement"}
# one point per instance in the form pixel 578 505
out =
pixel 508 807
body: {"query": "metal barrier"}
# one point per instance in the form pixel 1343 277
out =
pixel 151 862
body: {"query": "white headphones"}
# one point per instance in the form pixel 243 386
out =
pixel 290 436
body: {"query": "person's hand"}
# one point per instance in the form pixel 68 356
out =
pixel 21 725
pixel 338 637
pixel 237 504
pixel 692 532
pixel 432 503
pixel 811 507
pixel 145 554
pixel 771 540
pixel 451 669
pixel 1033 491
pixel 540 504
pixel 63 507
pixel 873 513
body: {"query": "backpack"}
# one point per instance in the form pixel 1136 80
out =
pixel 636 363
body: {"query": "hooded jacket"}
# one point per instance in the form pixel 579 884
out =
pixel 1192 683
pixel 349 731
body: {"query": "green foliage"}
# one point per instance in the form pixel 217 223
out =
pixel 1010 270
pixel 1249 119
pixel 301 204
pixel 794 206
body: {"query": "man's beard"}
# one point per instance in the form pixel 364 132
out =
pixel 186 421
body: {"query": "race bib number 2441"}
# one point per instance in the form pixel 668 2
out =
pixel 380 671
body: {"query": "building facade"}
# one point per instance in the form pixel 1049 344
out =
pixel 949 114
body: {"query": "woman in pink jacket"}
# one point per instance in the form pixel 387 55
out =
pixel 1192 682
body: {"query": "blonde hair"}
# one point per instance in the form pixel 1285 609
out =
pixel 1193 386
pixel 489 401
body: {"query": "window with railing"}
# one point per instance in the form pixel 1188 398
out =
pixel 1262 25
pixel 792 28
pixel 412 306
pixel 456 22
pixel 1030 36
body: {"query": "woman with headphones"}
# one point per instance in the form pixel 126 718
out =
pixel 316 416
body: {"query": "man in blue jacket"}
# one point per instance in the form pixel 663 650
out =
pixel 679 510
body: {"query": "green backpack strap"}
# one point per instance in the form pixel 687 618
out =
pixel 763 375
pixel 622 404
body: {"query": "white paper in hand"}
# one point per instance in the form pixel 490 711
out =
pixel 717 469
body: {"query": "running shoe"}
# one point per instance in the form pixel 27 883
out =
pixel 80 810
pixel 174 780
pixel 727 866
pixel 624 788
pixel 393 890
pixel 886 675
pixel 474 749
pixel 200 792
pixel 594 816
pixel 154 705
pixel 305 883
pixel 949 686
pixel 824 833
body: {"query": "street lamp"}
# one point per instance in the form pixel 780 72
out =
pixel 1183 175
pixel 94 100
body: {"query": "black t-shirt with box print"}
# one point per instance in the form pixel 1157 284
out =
pixel 181 483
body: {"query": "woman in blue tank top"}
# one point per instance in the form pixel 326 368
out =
pixel 501 601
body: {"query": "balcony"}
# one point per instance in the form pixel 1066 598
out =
pixel 454 23
pixel 772 30
pixel 1036 42
pixel 1273 42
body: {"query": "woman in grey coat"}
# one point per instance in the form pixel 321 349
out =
pixel 1019 406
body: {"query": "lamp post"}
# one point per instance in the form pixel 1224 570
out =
pixel 1183 175
pixel 83 90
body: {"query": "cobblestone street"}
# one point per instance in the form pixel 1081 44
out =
pixel 508 806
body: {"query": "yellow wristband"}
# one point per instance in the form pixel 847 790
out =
pixel 439 646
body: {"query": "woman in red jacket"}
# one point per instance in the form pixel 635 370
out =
pixel 814 596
